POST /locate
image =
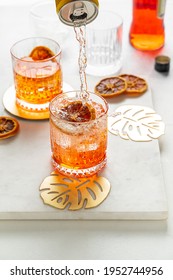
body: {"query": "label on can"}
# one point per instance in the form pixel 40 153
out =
pixel 161 8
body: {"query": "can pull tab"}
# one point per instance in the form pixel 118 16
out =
pixel 78 12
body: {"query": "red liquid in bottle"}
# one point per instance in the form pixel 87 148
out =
pixel 147 28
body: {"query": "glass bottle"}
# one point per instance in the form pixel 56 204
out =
pixel 77 10
pixel 147 28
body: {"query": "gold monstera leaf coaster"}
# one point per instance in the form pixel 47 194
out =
pixel 74 193
pixel 137 123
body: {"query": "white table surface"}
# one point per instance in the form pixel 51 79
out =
pixel 92 239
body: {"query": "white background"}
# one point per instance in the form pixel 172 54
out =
pixel 94 239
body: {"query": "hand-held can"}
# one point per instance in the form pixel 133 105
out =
pixel 77 10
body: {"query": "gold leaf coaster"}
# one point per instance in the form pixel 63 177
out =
pixel 74 193
pixel 137 123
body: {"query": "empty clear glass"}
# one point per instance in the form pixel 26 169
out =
pixel 104 44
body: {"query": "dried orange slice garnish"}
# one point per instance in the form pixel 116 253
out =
pixel 77 112
pixel 135 84
pixel 8 127
pixel 111 86
pixel 41 53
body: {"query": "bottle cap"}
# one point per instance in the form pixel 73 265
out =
pixel 162 63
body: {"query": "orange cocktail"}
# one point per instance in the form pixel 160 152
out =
pixel 78 132
pixel 37 72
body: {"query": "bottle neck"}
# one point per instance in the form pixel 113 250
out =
pixel 157 5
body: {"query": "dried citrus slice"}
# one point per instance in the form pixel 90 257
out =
pixel 8 127
pixel 111 86
pixel 135 84
pixel 77 112
pixel 41 53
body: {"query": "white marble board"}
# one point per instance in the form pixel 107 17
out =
pixel 133 169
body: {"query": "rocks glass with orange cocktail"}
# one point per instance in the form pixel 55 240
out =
pixel 78 130
pixel 37 72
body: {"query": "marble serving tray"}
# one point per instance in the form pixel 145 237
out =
pixel 133 169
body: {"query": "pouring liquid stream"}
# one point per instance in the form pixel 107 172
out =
pixel 80 31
